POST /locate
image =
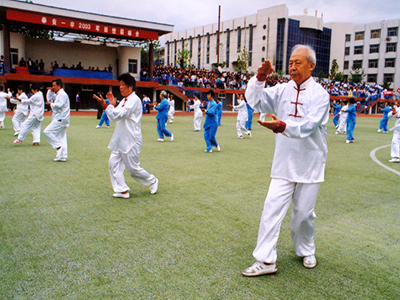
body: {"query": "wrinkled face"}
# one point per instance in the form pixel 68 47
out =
pixel 299 67
pixel 124 89
pixel 55 88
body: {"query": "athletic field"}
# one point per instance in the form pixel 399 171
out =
pixel 63 235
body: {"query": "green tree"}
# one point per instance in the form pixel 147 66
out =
pixel 339 77
pixel 321 74
pixel 242 60
pixel 144 52
pixel 357 74
pixel 334 69
pixel 183 57
pixel 386 84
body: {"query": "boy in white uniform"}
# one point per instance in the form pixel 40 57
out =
pixel 34 121
pixel 198 114
pixel 171 110
pixel 342 120
pixel 56 131
pixel 395 149
pixel 22 110
pixel 126 142
pixel 300 113
pixel 242 117
pixel 3 105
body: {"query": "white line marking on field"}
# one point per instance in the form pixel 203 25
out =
pixel 372 154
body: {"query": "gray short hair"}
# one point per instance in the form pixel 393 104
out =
pixel 311 56
pixel 164 94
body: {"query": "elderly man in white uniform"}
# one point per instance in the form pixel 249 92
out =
pixel 126 142
pixel 35 118
pixel 22 110
pixel 198 114
pixel 395 149
pixel 3 105
pixel 300 113
pixel 56 131
pixel 242 117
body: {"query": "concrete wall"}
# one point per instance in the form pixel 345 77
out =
pixel 126 53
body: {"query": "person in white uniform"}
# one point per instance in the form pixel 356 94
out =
pixel 242 117
pixel 126 142
pixel 3 105
pixel 35 118
pixel 56 131
pixel 395 147
pixel 22 110
pixel 342 119
pixel 198 114
pixel 300 113
pixel 171 110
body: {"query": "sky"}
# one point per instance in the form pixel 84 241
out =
pixel 193 13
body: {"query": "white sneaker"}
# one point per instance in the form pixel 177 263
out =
pixel 250 136
pixel 160 140
pixel 394 160
pixel 240 137
pixel 218 148
pixel 385 132
pixel 208 151
pixel 108 126
pixel 379 130
pixel 337 132
pixel 347 141
pixel 17 141
pixel 172 137
pixel 154 187
pixel 97 126
pixel 309 261
pixel 120 195
pixel 352 141
pixel 16 133
pixel 60 159
pixel 260 268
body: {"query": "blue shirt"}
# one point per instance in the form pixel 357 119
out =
pixel 211 115
pixel 162 109
pixel 351 114
pixel 386 112
pixel 337 108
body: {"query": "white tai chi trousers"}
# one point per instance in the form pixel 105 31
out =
pixel 30 124
pixel 56 135
pixel 2 116
pixel 240 128
pixel 342 126
pixel 17 120
pixel 280 194
pixel 395 150
pixel 197 123
pixel 130 161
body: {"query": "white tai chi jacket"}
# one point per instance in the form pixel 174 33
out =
pixel 196 107
pixel 37 105
pixel 301 149
pixel 21 106
pixel 51 96
pixel 128 116
pixel 171 109
pixel 3 101
pixel 60 107
pixel 242 111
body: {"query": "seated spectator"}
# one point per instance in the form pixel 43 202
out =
pixel 22 62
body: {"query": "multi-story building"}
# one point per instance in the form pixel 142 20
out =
pixel 373 48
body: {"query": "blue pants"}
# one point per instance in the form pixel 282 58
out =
pixel 249 123
pixel 103 119
pixel 219 120
pixel 161 128
pixel 350 130
pixel 336 121
pixel 209 137
pixel 383 124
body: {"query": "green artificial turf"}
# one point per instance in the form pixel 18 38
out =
pixel 63 235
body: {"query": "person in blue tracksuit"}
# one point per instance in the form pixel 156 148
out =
pixel 249 122
pixel 146 103
pixel 104 118
pixel 219 110
pixel 162 117
pixel 337 108
pixel 384 122
pixel 351 120
pixel 211 123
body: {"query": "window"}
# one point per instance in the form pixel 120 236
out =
pixel 358 49
pixel 264 26
pixel 375 34
pixel 250 59
pixel 239 40
pixel 262 59
pixel 132 68
pixel 372 78
pixel 14 56
pixel 359 36
pixel 167 45
pixel 390 62
pixel 392 31
pixel 198 52
pixel 208 49
pixel 391 47
pixel 251 38
pixel 388 77
pixel 373 63
pixel 228 41
pixel 357 64
pixel 374 48
pixel 348 37
pixel 190 47
pixel 263 49
pixel 347 51
pixel 346 65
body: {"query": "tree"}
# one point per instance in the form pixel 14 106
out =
pixel 339 77
pixel 242 60
pixel 144 52
pixel 321 74
pixel 357 74
pixel 386 84
pixel 183 57
pixel 334 69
